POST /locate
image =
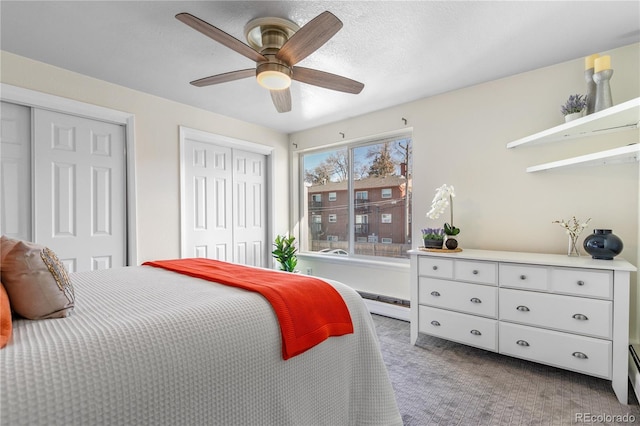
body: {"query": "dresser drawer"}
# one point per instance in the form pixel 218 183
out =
pixel 590 317
pixel 462 328
pixel 524 276
pixel 578 353
pixel 464 297
pixel 435 267
pixel 582 282
pixel 476 272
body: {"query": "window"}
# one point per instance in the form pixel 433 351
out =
pixel 369 184
pixel 362 224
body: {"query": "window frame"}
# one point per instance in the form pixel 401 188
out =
pixel 348 149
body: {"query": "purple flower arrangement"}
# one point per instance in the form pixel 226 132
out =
pixel 575 103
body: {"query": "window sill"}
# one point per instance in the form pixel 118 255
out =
pixel 384 263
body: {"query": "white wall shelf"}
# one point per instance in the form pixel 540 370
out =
pixel 624 116
pixel 623 154
pixel 621 117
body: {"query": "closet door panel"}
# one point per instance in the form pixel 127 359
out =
pixel 15 171
pixel 79 190
pixel 250 232
pixel 206 219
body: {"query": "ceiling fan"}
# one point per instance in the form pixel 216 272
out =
pixel 276 45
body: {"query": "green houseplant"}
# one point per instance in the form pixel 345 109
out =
pixel 285 252
pixel 433 237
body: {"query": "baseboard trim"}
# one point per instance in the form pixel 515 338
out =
pixel 388 310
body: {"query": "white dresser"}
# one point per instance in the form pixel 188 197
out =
pixel 569 312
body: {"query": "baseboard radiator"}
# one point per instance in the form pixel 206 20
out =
pixel 634 368
pixel 386 306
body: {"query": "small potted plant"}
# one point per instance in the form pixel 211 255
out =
pixel 433 237
pixel 575 107
pixel 285 252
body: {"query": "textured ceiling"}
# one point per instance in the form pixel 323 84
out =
pixel 400 50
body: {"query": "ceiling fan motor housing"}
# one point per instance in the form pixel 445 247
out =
pixel 273 74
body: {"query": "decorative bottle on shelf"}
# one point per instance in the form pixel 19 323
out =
pixel 591 84
pixel 602 74
pixel 603 244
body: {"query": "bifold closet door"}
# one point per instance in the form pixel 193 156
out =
pixel 79 190
pixel 224 203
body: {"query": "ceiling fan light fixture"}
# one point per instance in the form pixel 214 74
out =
pixel 273 76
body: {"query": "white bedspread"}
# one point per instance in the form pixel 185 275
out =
pixel 146 346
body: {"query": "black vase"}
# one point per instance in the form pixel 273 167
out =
pixel 603 244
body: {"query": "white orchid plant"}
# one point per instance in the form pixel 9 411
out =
pixel 442 200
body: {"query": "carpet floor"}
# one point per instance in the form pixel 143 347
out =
pixel 438 382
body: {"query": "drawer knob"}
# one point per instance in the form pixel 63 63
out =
pixel 476 333
pixel 476 300
pixel 522 343
pixel 475 272
pixel 435 293
pixel 580 317
pixel 436 323
pixel 580 355
pixel 580 282
pixel 523 277
pixel 523 308
pixel 435 267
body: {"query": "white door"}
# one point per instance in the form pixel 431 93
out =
pixel 250 210
pixel 15 171
pixel 79 190
pixel 223 202
pixel 207 219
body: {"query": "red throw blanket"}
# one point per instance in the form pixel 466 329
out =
pixel 309 310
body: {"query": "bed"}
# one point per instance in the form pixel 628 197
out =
pixel 148 346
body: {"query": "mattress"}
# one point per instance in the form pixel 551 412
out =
pixel 147 346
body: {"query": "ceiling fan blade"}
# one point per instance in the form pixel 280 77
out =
pixel 220 36
pixel 281 99
pixel 326 80
pixel 309 38
pixel 223 78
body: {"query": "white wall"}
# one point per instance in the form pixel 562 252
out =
pixel 460 137
pixel 157 124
